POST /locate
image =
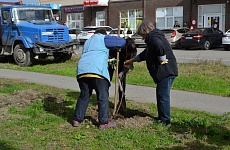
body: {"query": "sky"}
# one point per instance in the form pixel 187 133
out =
pixel 23 1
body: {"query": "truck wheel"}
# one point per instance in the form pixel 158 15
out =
pixel 62 57
pixel 22 56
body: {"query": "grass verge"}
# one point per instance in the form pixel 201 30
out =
pixel 210 77
pixel 38 117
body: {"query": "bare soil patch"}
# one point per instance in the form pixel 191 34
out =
pixel 58 106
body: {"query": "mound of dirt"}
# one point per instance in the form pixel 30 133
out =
pixel 57 105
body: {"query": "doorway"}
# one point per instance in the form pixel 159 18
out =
pixel 213 20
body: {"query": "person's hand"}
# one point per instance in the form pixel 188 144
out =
pixel 164 62
pixel 129 62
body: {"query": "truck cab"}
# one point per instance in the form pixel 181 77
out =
pixel 30 31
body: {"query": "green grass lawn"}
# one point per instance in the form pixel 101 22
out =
pixel 39 117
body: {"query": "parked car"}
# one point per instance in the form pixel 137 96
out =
pixel 88 31
pixel 202 37
pixel 138 40
pixel 74 34
pixel 173 36
pixel 226 40
pixel 123 32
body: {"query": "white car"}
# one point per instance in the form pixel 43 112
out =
pixel 226 40
pixel 173 35
pixel 123 32
pixel 73 33
pixel 138 40
pixel 88 31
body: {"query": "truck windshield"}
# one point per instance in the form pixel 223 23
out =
pixel 33 14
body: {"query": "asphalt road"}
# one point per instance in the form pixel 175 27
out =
pixel 196 55
pixel 193 55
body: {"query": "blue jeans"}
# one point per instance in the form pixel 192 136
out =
pixel 101 86
pixel 163 99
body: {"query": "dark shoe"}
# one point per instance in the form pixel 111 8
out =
pixel 163 123
pixel 108 125
pixel 157 120
pixel 76 123
pixel 168 125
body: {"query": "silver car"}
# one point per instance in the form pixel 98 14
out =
pixel 88 31
pixel 123 33
pixel 226 40
pixel 173 36
pixel 138 40
pixel 73 33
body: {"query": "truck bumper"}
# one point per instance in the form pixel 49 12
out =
pixel 49 48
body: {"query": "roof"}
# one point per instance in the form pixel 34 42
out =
pixel 25 6
pixel 10 3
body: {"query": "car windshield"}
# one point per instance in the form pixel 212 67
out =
pixel 89 29
pixel 196 31
pixel 74 31
pixel 33 14
pixel 167 31
pixel 116 32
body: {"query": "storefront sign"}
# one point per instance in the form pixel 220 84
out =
pixel 89 3
pixel 53 6
pixel 74 9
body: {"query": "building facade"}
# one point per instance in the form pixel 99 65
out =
pixel 71 12
pixel 210 12
pixel 196 13
pixel 129 13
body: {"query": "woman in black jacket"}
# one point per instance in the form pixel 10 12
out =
pixel 161 64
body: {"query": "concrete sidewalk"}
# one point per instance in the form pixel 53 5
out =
pixel 179 99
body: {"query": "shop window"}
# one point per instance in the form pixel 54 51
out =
pixel 139 14
pixel 160 22
pixel 75 20
pixel 100 18
pixel 206 13
pixel 130 18
pixel 165 17
pixel 170 22
pixel 169 11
